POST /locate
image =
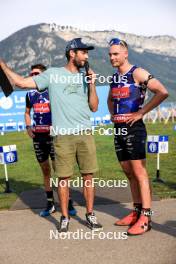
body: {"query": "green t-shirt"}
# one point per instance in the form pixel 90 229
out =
pixel 68 99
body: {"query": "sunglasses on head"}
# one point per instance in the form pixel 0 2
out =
pixel 34 73
pixel 115 41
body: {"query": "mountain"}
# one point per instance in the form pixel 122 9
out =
pixel 46 44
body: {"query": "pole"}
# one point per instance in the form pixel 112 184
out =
pixel 158 179
pixel 7 189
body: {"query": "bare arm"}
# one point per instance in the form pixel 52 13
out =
pixel 16 79
pixel 93 98
pixel 156 87
pixel 27 116
pixel 28 122
pixel 110 103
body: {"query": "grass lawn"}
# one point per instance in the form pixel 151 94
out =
pixel 26 175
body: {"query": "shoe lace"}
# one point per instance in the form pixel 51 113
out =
pixel 93 219
pixel 64 223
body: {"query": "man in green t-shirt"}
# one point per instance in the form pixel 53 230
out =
pixel 72 99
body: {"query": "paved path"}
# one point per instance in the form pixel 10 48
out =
pixel 25 238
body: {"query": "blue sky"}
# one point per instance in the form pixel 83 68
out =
pixel 140 17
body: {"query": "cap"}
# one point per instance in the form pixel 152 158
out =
pixel 77 44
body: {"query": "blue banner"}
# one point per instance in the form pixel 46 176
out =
pixel 12 110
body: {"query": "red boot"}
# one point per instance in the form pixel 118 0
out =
pixel 142 225
pixel 128 220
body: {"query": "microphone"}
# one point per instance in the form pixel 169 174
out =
pixel 87 68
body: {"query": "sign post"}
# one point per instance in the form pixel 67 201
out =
pixel 158 144
pixel 8 155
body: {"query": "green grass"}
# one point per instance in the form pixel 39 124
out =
pixel 26 174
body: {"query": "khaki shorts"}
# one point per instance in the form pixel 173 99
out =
pixel 75 148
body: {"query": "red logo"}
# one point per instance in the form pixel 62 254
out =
pixel 41 108
pixel 122 118
pixel 120 92
pixel 41 129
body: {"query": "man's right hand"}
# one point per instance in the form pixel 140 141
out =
pixel 16 79
pixel 30 132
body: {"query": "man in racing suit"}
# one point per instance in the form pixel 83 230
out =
pixel 125 103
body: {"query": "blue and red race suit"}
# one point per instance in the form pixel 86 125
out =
pixel 127 96
pixel 39 102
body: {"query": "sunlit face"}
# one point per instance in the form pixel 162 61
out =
pixel 80 57
pixel 118 55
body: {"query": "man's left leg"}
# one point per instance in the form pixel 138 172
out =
pixel 89 193
pixel 144 222
pixel 87 161
pixel 71 209
pixel 133 216
pixel 42 149
pixel 46 170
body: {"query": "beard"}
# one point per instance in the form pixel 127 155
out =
pixel 78 64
